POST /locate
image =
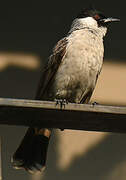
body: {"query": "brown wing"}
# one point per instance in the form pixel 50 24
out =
pixel 51 67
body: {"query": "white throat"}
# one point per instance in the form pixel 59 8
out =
pixel 88 21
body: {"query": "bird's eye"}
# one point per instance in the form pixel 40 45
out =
pixel 96 17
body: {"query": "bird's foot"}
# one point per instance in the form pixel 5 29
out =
pixel 95 103
pixel 61 102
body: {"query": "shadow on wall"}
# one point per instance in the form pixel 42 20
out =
pixel 98 163
pixel 19 74
pixel 19 60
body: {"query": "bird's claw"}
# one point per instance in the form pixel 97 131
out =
pixel 95 103
pixel 61 102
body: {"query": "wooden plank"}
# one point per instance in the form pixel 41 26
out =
pixel 73 116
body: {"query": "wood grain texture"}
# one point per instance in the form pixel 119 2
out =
pixel 74 116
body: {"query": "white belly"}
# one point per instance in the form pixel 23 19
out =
pixel 80 67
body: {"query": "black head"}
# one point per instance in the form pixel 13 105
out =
pixel 101 19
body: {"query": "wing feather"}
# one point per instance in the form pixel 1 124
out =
pixel 51 67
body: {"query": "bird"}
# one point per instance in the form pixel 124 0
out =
pixel 70 73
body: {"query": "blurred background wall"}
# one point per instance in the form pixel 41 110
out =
pixel 28 31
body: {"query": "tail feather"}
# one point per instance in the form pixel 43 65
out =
pixel 32 152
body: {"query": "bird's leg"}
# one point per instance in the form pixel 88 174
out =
pixel 95 103
pixel 61 102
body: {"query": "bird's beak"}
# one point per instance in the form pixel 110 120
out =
pixel 107 20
